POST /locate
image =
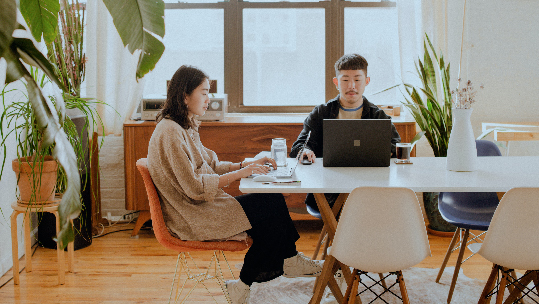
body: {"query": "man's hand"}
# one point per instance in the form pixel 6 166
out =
pixel 309 154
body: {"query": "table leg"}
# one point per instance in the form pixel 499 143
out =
pixel 15 247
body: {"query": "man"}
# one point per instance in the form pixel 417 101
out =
pixel 350 79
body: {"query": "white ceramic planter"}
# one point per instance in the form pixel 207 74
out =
pixel 461 150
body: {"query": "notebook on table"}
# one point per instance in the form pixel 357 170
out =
pixel 357 143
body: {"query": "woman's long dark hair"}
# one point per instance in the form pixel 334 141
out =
pixel 184 82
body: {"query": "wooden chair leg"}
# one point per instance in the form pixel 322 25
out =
pixel 501 288
pixel 381 275
pixel 489 285
pixel 27 242
pixel 402 285
pixel 353 289
pixel 319 242
pixel 15 248
pixel 60 254
pixel 457 266
pixel 536 280
pixel 448 254
pixel 349 287
pixel 519 286
pixel 326 246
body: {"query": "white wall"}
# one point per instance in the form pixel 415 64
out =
pixel 8 190
pixel 500 51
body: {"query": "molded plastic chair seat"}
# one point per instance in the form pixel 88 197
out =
pixel 471 210
pixel 467 211
pixel 167 240
pixel 512 242
pixel 380 230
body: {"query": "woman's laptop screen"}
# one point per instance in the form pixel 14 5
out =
pixel 357 143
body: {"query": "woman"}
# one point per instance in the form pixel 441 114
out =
pixel 190 177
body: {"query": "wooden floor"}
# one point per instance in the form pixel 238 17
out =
pixel 117 268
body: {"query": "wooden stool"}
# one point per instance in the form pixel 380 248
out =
pixel 26 209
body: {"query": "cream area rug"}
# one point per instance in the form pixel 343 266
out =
pixel 422 289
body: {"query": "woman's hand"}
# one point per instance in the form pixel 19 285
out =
pixel 259 166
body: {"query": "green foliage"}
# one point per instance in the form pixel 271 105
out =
pixel 65 51
pixel 41 16
pixel 430 104
pixel 137 21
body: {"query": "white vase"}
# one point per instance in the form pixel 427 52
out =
pixel 461 150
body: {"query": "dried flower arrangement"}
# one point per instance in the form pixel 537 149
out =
pixel 464 98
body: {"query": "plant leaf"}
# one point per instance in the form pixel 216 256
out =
pixel 63 152
pixel 8 23
pixel 28 52
pixel 139 22
pixel 41 17
pixel 417 137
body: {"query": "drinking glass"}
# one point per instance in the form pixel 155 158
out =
pixel 279 151
pixel 403 153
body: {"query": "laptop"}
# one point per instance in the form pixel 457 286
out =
pixel 357 143
pixel 289 170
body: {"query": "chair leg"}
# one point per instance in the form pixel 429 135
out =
pixel 349 286
pixel 383 280
pixel 326 246
pixel 319 243
pixel 501 288
pixel 457 266
pixel 402 286
pixel 519 286
pixel 448 254
pixel 536 280
pixel 516 288
pixel 489 285
pixel 354 288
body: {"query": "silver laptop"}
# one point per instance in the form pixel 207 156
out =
pixel 357 143
pixel 288 170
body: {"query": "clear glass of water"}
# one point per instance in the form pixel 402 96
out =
pixel 279 151
pixel 403 153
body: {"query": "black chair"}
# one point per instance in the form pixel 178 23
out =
pixel 467 211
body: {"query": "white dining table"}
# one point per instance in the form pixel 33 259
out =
pixel 425 174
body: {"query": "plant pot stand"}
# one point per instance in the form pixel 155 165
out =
pixel 26 209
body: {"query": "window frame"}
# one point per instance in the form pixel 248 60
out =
pixel 233 47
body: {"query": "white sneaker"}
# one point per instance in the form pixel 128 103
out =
pixel 302 266
pixel 238 292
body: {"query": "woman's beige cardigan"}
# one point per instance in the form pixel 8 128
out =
pixel 186 175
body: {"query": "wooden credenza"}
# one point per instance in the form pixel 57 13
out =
pixel 235 139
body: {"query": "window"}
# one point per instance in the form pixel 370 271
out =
pixel 275 56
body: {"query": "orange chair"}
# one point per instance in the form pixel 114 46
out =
pixel 184 247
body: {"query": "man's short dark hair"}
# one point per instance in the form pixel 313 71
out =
pixel 351 62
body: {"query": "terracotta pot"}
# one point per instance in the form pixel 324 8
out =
pixel 36 180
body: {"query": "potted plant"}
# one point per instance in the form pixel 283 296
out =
pixel 430 105
pixel 137 31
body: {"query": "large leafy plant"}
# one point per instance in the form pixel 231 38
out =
pixel 430 103
pixel 136 21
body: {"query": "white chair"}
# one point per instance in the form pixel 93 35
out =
pixel 512 242
pixel 380 230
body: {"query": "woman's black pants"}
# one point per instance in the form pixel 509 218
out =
pixel 274 236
